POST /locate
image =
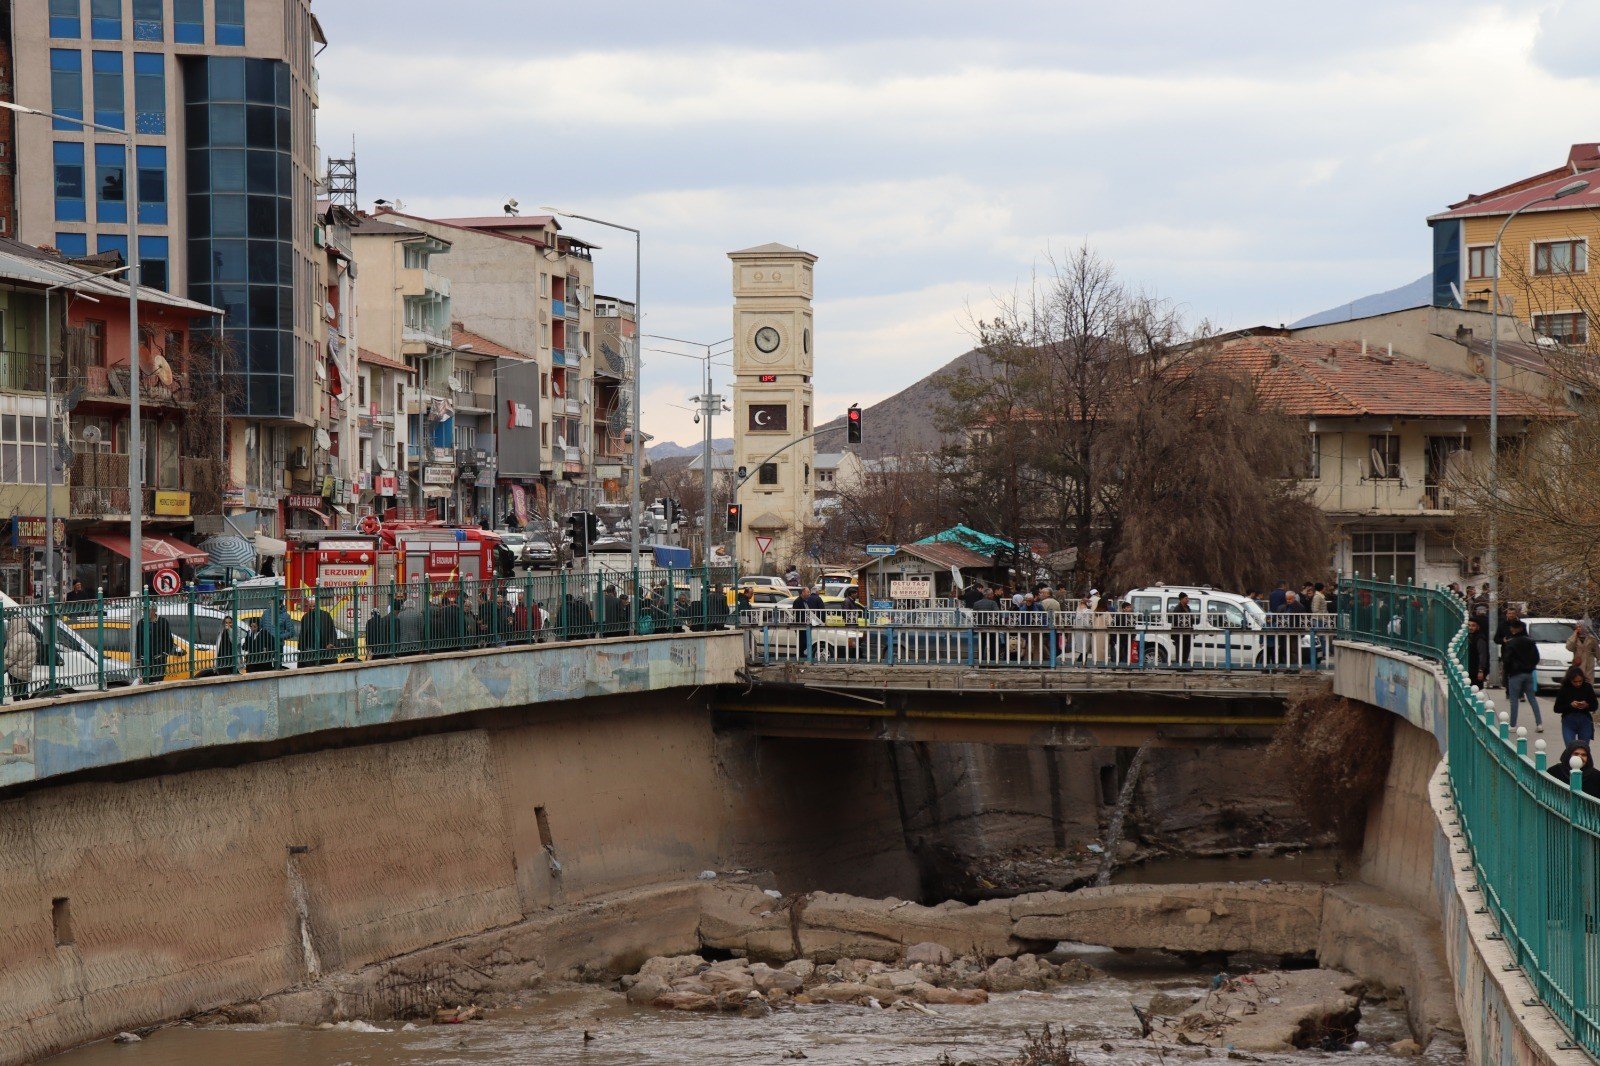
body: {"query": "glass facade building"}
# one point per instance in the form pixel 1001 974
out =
pixel 239 165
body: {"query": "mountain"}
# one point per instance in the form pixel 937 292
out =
pixel 906 423
pixel 670 449
pixel 1417 294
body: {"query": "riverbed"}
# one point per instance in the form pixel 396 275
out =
pixel 550 1027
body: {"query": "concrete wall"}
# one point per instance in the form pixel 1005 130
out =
pixel 99 730
pixel 408 844
pixel 1411 842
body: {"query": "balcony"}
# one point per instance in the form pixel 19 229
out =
pixel 433 333
pixel 420 281
pixel 572 309
pixel 22 372
pixel 558 308
pixel 100 485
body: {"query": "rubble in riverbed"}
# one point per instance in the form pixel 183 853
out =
pixel 927 975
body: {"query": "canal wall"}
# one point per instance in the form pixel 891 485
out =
pixel 1411 852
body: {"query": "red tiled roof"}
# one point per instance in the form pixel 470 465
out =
pixel 1583 161
pixel 501 221
pixel 482 345
pixel 367 355
pixel 1331 379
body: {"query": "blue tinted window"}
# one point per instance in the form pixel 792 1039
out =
pixel 152 184
pixel 72 245
pixel 188 21
pixel 230 21
pixel 105 19
pixel 110 184
pixel 153 258
pixel 66 86
pixel 112 242
pixel 108 91
pixel 149 92
pixel 147 18
pixel 64 18
pixel 69 181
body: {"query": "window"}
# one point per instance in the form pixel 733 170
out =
pixel 69 181
pixel 110 184
pixel 1385 556
pixel 1561 257
pixel 149 93
pixel 66 86
pixel 24 448
pixel 230 22
pixel 153 256
pixel 105 19
pixel 152 184
pixel 1383 456
pixel 544 386
pixel 768 474
pixel 112 242
pixel 188 21
pixel 147 20
pixel 72 245
pixel 1481 262
pixel 1568 327
pixel 108 94
pixel 64 18
pixel 94 343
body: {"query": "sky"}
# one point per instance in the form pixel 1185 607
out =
pixel 1250 162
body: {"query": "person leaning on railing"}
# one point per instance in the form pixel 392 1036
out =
pixel 21 653
pixel 318 638
pixel 260 648
pixel 152 643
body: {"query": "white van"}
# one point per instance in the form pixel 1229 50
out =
pixel 77 666
pixel 1228 629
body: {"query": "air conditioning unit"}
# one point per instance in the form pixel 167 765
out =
pixel 297 459
pixel 1474 564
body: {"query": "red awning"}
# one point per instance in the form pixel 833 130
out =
pixel 158 549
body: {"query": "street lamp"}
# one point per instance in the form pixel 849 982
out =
pixel 50 560
pixel 638 366
pixel 709 405
pixel 135 450
pixel 1493 562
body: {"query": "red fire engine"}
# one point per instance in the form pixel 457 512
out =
pixel 386 553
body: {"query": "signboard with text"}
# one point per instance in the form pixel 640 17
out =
pixel 882 549
pixel 437 475
pixel 172 504
pixel 911 588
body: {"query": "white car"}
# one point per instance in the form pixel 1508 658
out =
pixel 77 666
pixel 1551 634
pixel 1228 629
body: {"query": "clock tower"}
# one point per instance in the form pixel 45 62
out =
pixel 772 344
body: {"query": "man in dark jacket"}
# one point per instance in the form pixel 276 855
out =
pixel 615 620
pixel 152 643
pixel 1477 653
pixel 1502 633
pixel 1520 658
pixel 318 637
pixel 1182 617
pixel 448 625
pixel 260 648
pixel 985 602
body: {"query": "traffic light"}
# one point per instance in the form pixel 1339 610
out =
pixel 735 517
pixel 853 422
pixel 591 527
pixel 578 531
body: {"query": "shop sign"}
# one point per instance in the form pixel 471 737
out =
pixel 438 475
pixel 172 504
pixel 29 531
pixel 388 485
pixel 911 588
pixel 305 501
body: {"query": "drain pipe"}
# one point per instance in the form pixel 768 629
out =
pixel 1108 861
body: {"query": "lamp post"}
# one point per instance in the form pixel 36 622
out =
pixel 638 364
pixel 135 449
pixel 710 404
pixel 50 551
pixel 1493 562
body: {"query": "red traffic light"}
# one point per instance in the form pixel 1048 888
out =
pixel 735 517
pixel 853 424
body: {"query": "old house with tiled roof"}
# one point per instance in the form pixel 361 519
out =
pixel 1384 434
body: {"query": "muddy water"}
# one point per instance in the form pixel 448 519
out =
pixel 550 1029
pixel 1318 865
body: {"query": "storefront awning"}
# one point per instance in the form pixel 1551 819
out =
pixel 158 549
pixel 436 492
pixel 271 546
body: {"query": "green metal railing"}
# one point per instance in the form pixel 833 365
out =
pixel 103 642
pixel 1533 837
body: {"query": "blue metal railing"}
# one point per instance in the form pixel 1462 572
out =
pixel 1533 837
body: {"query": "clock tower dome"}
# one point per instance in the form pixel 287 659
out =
pixel 772 356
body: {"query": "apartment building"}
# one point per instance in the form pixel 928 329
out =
pixel 1384 432
pixel 1546 285
pixel 616 336
pixel 221 97
pixel 520 280
pixel 405 317
pixel 382 442
pixel 327 485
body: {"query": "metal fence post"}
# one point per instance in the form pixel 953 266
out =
pixel 100 637
pixel 191 629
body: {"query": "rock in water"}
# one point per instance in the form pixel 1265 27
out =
pixel 929 954
pixel 1275 1011
pixel 127 1038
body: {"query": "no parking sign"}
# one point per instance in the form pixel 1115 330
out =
pixel 165 582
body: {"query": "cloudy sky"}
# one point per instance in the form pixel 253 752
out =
pixel 1250 161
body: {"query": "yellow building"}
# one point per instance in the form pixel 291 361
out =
pixel 1546 284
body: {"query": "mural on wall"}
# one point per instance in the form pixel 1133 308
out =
pixel 79 733
pixel 1400 685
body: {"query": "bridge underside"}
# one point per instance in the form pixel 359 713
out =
pixel 1110 708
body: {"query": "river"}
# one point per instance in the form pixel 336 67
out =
pixel 549 1028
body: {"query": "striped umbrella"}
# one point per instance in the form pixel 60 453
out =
pixel 230 551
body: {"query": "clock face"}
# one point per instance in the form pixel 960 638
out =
pixel 767 339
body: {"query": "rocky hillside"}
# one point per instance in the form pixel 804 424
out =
pixel 903 424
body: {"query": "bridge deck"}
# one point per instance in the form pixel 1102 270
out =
pixel 907 677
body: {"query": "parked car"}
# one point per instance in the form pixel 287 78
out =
pixel 538 552
pixel 77 667
pixel 1551 634
pixel 115 636
pixel 1227 628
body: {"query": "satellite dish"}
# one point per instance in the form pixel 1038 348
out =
pixel 1380 464
pixel 91 435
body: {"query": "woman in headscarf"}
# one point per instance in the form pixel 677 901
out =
pixel 1561 770
pixel 1575 705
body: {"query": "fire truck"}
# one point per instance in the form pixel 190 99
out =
pixel 382 554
